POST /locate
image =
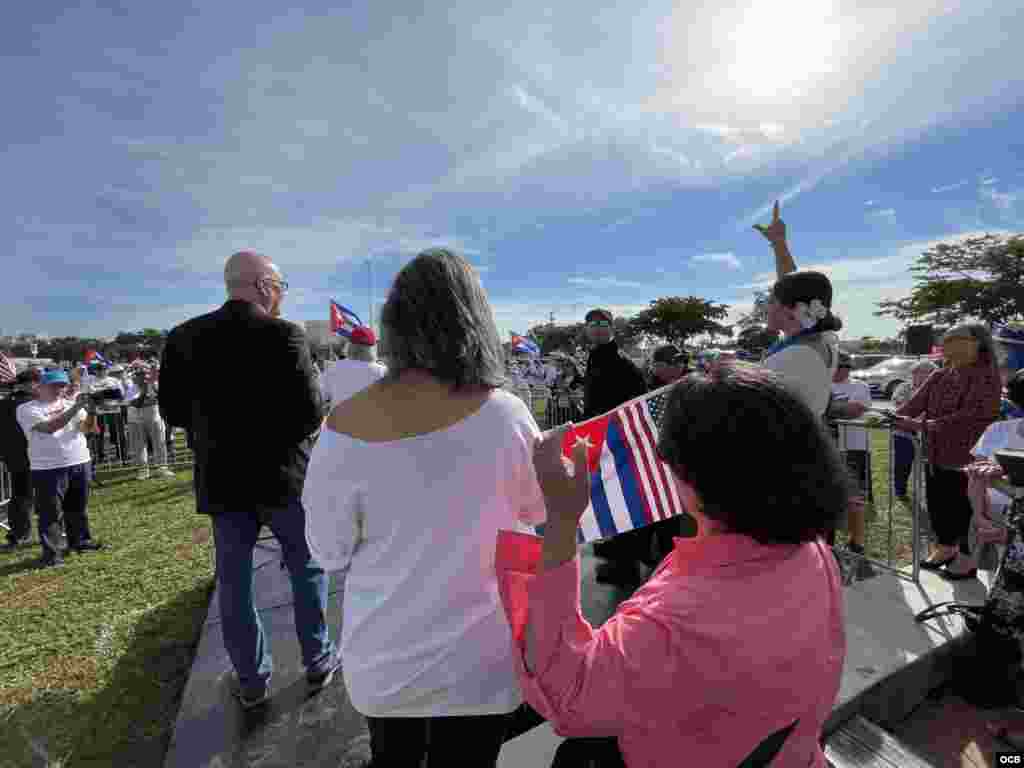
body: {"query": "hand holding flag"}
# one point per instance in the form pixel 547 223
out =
pixel 565 483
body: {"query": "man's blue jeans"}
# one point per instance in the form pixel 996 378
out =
pixel 235 531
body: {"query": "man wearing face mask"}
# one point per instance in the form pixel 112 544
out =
pixel 952 409
pixel 252 447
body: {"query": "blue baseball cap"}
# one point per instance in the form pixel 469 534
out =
pixel 55 377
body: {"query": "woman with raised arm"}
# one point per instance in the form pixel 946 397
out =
pixel 801 307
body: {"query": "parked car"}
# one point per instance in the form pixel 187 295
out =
pixel 866 360
pixel 885 376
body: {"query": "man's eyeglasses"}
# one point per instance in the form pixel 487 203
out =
pixel 599 324
pixel 282 285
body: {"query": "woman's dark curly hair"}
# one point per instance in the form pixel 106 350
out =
pixel 760 462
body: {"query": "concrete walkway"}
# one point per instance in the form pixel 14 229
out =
pixel 891 664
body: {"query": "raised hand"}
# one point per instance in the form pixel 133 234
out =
pixel 776 231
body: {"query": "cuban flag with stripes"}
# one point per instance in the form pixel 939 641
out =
pixel 343 320
pixel 630 487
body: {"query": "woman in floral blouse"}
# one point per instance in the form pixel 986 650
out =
pixel 954 407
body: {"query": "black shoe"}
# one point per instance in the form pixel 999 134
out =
pixel 936 565
pixel 51 562
pixel 89 546
pixel 322 678
pixel 13 544
pixel 950 576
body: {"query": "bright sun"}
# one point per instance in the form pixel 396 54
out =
pixel 779 48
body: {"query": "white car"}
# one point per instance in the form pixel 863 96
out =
pixel 884 377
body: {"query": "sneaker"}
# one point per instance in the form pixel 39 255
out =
pixel 89 546
pixel 249 701
pixel 322 678
pixel 51 562
pixel 143 475
pixel 165 472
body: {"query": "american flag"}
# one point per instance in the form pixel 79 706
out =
pixel 630 487
pixel 7 371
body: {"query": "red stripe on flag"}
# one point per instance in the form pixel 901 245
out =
pixel 665 482
pixel 7 370
pixel 655 509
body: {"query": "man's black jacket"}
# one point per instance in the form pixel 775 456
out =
pixel 13 443
pixel 610 380
pixel 242 384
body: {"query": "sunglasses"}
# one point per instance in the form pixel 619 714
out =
pixel 599 324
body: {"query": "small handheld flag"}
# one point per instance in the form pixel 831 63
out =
pixel 92 356
pixel 7 370
pixel 523 344
pixel 343 320
pixel 630 487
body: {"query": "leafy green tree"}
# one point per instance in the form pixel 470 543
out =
pixel 980 277
pixel 676 319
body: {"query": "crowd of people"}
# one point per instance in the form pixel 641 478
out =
pixel 424 480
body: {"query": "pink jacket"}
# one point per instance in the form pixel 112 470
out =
pixel 727 643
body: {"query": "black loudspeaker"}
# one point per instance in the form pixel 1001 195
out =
pixel 920 339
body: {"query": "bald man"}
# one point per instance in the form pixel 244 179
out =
pixel 252 446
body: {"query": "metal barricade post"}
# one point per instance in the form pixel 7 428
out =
pixel 6 493
pixel 842 435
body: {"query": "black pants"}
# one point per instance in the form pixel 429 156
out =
pixel 403 742
pixel 62 495
pixel 19 508
pixel 111 424
pixel 949 508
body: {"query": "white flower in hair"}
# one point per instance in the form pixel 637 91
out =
pixel 811 313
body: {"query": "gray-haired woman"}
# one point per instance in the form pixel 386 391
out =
pixel 953 409
pixel 407 488
pixel 903 441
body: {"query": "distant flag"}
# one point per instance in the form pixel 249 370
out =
pixel 7 370
pixel 523 344
pixel 343 320
pixel 630 487
pixel 92 356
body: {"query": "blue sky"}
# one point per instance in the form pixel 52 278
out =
pixel 588 154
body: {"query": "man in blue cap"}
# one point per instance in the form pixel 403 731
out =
pixel 59 457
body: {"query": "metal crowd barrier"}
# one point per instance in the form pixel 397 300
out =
pixel 122 458
pixel 916 492
pixel 550 407
pixel 6 492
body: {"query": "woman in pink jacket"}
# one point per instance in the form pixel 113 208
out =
pixel 734 648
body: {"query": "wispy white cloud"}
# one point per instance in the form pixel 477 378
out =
pixel 950 187
pixel 728 259
pixel 606 282
pixel 989 180
pixel 869 203
pixel 883 213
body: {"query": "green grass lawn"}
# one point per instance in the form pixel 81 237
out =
pixel 94 656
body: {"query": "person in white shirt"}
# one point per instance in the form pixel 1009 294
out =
pixel 108 411
pixel 801 307
pixel 146 425
pixel 59 457
pixel 410 505
pixel 851 399
pixel 357 371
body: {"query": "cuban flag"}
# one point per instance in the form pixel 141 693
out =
pixel 92 356
pixel 630 487
pixel 343 320
pixel 523 344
